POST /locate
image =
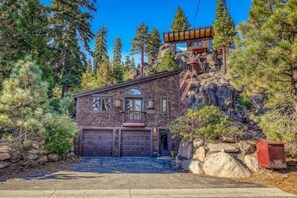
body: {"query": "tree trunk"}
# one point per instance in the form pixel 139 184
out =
pixel 224 68
pixel 142 61
pixel 64 90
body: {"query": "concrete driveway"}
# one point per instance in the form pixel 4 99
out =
pixel 128 177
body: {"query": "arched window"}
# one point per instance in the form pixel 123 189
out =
pixel 133 91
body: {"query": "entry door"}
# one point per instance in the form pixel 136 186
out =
pixel 133 109
pixel 164 142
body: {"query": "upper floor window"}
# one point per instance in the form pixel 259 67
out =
pixel 101 103
pixel 133 91
pixel 164 105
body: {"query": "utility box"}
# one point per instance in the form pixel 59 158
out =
pixel 271 154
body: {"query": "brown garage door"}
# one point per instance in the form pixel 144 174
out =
pixel 136 144
pixel 97 142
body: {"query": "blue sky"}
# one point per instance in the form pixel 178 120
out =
pixel 122 17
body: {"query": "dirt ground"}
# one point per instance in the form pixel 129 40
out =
pixel 285 180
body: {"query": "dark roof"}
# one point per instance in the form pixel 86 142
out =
pixel 178 36
pixel 128 83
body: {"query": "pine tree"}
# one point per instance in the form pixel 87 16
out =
pixel 224 30
pixel 264 62
pixel 88 80
pixel 180 21
pixel 140 42
pixel 100 47
pixel 168 62
pixel 104 75
pixel 153 45
pixel 70 22
pixel 117 51
pixel 89 65
pixel 24 28
pixel 24 99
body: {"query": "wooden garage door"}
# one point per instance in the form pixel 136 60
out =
pixel 97 142
pixel 136 144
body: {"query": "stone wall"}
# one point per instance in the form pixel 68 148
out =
pixel 154 89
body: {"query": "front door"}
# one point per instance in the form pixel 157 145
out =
pixel 164 142
pixel 133 109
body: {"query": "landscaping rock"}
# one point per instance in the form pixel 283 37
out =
pixel 178 162
pixel 185 150
pixel 4 164
pixel 35 146
pixel 42 159
pixel 195 167
pixel 251 162
pixel 246 147
pixel 15 155
pixel 33 151
pixel 70 155
pixel 222 147
pixel 4 156
pixel 186 164
pixel 53 157
pixel 44 152
pixel 4 148
pixel 32 156
pixel 199 154
pixel 197 143
pixel 224 165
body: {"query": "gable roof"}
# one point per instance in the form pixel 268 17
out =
pixel 184 35
pixel 128 83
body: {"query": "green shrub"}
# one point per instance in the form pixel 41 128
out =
pixel 244 102
pixel 60 130
pixel 67 104
pixel 27 145
pixel 206 122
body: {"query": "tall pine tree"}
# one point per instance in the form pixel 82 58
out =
pixel 140 42
pixel 104 74
pixel 168 62
pixel 100 47
pixel 153 44
pixel 180 21
pixel 117 65
pixel 264 62
pixel 224 30
pixel 71 24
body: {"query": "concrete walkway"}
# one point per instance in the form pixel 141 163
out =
pixel 128 177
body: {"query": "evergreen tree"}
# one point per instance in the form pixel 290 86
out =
pixel 168 62
pixel 117 51
pixel 70 23
pixel 88 80
pixel 23 101
pixel 100 47
pixel 180 21
pixel 24 29
pixel 264 62
pixel 153 45
pixel 224 30
pixel 104 75
pixel 89 65
pixel 140 42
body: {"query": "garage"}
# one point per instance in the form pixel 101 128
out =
pixel 136 143
pixel 97 142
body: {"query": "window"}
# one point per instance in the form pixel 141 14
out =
pixel 181 47
pixel 197 43
pixel 101 103
pixel 133 92
pixel 164 107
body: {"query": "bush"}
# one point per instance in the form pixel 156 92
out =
pixel 60 130
pixel 206 122
pixel 243 102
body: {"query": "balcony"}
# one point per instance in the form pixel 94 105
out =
pixel 133 119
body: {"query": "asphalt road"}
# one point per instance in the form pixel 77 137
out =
pixel 128 177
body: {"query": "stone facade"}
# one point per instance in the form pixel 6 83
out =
pixel 152 88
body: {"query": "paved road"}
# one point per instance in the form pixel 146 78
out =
pixel 128 177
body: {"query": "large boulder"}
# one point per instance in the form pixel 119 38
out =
pixel 197 143
pixel 225 97
pixel 246 147
pixel 53 157
pixel 222 147
pixel 199 154
pixel 4 156
pixel 195 167
pixel 251 162
pixel 224 165
pixel 4 164
pixel 185 150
